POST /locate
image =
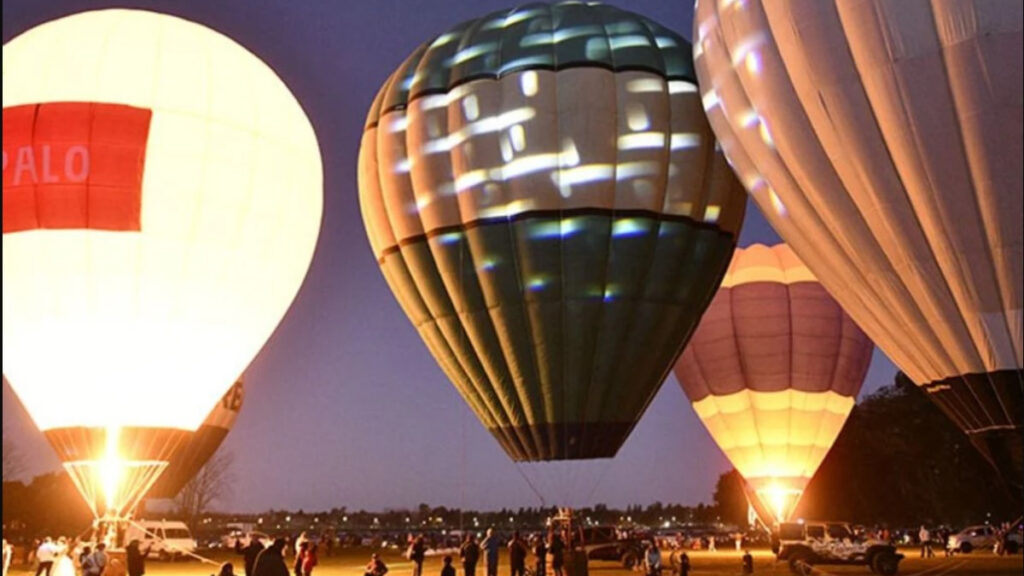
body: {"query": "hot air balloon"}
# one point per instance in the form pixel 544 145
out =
pixel 192 455
pixel 883 141
pixel 773 371
pixel 162 196
pixel 544 197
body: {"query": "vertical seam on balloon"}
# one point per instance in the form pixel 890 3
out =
pixel 743 376
pixel 822 227
pixel 530 429
pixel 563 307
pixel 459 372
pixel 937 291
pixel 992 271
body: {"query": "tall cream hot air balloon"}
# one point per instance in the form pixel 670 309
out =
pixel 773 372
pixel 162 196
pixel 883 141
pixel 543 194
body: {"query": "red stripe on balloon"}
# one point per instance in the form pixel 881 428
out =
pixel 74 165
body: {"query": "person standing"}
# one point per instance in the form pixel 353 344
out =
pixel 8 556
pixel 302 547
pixel 926 542
pixel 556 547
pixel 711 544
pixel 136 559
pixel 249 553
pixel 310 559
pixel 448 569
pixel 45 555
pixel 684 564
pixel 517 553
pixel 540 552
pixel 418 553
pixel 270 562
pixel 491 547
pixel 97 561
pixel 470 555
pixel 748 562
pixel 652 560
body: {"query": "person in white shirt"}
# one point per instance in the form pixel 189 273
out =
pixel 926 543
pixel 8 555
pixel 45 555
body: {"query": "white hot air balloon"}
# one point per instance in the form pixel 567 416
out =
pixel 162 197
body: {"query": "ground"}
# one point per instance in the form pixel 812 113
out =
pixel 351 563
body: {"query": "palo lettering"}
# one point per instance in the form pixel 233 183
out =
pixel 42 165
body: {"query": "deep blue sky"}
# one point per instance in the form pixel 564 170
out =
pixel 346 407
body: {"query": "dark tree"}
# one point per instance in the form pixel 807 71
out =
pixel 730 500
pixel 900 461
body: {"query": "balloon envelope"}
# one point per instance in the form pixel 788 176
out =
pixel 545 199
pixel 193 454
pixel 773 372
pixel 162 197
pixel 883 141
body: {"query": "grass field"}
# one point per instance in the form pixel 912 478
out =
pixel 352 561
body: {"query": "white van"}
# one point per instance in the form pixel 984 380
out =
pixel 165 540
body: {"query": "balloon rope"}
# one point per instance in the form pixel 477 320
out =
pixel 202 559
pixel 540 496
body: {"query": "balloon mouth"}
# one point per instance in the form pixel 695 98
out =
pixel 774 499
pixel 113 468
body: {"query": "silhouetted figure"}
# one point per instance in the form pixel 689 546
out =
pixel 249 553
pixel 556 547
pixel 748 562
pixel 301 548
pixel 418 553
pixel 270 562
pixel 926 542
pixel 684 564
pixel 448 569
pixel 652 560
pixel 517 553
pixel 376 567
pixel 540 552
pixel 226 569
pixel 136 559
pixel 470 555
pixel 310 559
pixel 491 547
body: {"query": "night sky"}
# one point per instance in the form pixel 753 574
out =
pixel 345 405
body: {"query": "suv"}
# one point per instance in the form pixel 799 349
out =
pixel 604 543
pixel 803 545
pixel 980 537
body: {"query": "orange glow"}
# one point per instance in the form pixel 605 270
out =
pixel 780 498
pixel 112 469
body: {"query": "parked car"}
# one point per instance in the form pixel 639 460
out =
pixel 804 545
pixel 980 537
pixel 605 543
pixel 164 539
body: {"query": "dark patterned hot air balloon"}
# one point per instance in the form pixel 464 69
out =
pixel 194 453
pixel 773 371
pixel 883 141
pixel 545 199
